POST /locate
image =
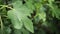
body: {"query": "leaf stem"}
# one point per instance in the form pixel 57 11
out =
pixel 1 25
pixel 3 6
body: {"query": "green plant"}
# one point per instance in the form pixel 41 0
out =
pixel 29 17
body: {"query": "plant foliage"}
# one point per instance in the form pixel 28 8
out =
pixel 29 16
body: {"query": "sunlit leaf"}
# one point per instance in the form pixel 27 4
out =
pixel 19 17
pixel 28 24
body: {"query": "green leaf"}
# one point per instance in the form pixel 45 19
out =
pixel 17 4
pixel 15 18
pixel 28 24
pixel 19 17
pixel 55 11
pixel 50 1
pixel 42 16
pixel 30 5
